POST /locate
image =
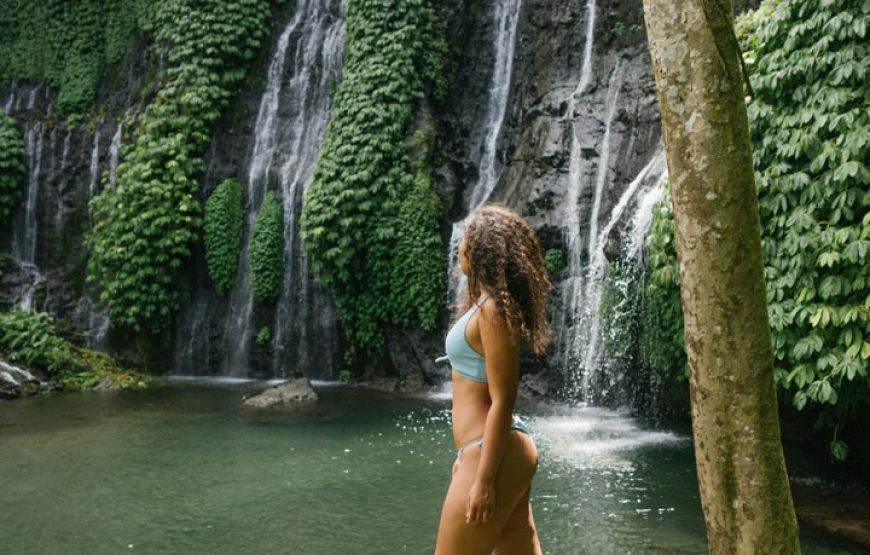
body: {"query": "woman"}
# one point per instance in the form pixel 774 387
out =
pixel 487 504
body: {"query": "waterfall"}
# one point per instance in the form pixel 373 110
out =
pixel 316 38
pixel 572 286
pixel 597 272
pixel 642 220
pixel 10 102
pixel 577 315
pixel 63 180
pixel 319 58
pixel 586 68
pixel 506 17
pixel 236 335
pixel 24 223
pixel 95 165
pixel 114 153
pixel 91 316
pixel 94 320
pixel 31 99
pixel 604 161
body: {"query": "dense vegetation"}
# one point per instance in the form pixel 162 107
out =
pixel 810 152
pixel 223 223
pixel 267 250
pixel 68 43
pixel 662 346
pixel 12 165
pixel 371 220
pixel 32 339
pixel 144 226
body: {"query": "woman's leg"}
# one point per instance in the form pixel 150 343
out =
pixel 519 535
pixel 455 535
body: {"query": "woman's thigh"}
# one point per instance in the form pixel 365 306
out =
pixel 519 535
pixel 455 535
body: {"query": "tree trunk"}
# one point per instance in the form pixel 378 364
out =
pixel 741 470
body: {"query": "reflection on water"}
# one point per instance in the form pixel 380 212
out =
pixel 182 469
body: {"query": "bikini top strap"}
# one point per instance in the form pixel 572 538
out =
pixel 479 302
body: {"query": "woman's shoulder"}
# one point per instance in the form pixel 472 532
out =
pixel 494 319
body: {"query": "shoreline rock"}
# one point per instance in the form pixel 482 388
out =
pixel 16 382
pixel 296 392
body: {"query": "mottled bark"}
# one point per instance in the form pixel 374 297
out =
pixel 741 471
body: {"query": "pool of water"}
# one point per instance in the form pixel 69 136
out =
pixel 180 468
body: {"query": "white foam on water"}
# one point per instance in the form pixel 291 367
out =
pixel 593 437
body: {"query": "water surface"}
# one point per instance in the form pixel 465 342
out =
pixel 180 468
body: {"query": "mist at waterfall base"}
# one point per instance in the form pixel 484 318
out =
pixel 180 468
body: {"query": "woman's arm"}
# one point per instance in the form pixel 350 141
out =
pixel 502 374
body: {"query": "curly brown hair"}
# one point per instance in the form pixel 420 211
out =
pixel 504 256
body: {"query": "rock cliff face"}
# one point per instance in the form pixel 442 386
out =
pixel 578 149
pixel 552 112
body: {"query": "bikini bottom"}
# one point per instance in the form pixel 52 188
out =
pixel 517 424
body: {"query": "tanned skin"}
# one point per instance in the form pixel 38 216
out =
pixel 487 504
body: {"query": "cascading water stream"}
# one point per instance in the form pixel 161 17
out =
pixel 94 168
pixel 506 17
pixel 24 225
pixel 241 300
pixel 314 36
pixel 91 316
pixel 642 220
pixel 31 99
pixel 10 102
pixel 63 181
pixel 596 274
pixel 114 153
pixel 572 285
pixel 577 314
pixel 319 58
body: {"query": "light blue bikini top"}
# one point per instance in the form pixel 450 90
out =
pixel 463 358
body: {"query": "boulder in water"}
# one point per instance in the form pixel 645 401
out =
pixel 296 392
pixel 17 382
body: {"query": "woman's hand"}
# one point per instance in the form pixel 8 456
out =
pixel 480 504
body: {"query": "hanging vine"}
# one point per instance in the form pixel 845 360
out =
pixel 222 233
pixel 371 221
pixel 12 167
pixel 145 225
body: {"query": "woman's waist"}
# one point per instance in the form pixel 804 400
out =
pixel 468 427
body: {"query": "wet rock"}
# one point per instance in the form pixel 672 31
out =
pixel 296 392
pixel 413 382
pixel 387 384
pixel 534 386
pixel 17 382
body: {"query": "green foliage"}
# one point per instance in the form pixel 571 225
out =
pixel 29 338
pixel 222 233
pixel 554 260
pixel 662 346
pixel 145 224
pixel 67 43
pixel 264 336
pixel 810 154
pixel 12 165
pixel 344 376
pixel 370 222
pixel 267 250
pixel 32 339
pixel 619 309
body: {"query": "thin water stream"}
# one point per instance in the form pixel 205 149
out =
pixel 181 469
